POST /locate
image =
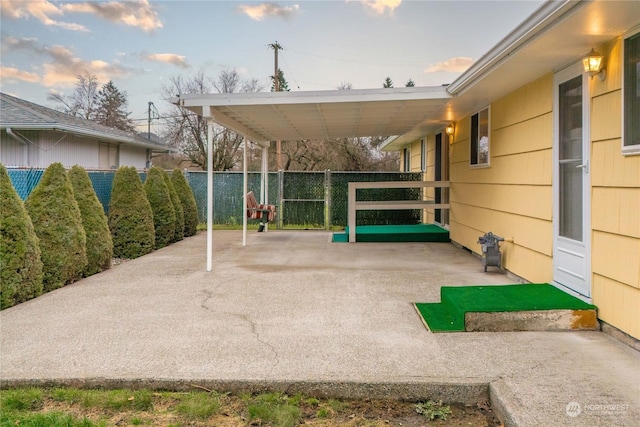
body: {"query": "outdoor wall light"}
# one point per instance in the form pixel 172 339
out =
pixel 592 64
pixel 449 129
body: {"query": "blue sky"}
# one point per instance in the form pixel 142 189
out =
pixel 140 45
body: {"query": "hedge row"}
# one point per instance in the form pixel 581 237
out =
pixel 60 233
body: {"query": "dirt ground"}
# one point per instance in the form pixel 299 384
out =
pixel 233 413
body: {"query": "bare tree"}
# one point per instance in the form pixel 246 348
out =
pixel 187 131
pixel 83 101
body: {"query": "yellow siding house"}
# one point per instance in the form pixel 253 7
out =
pixel 546 153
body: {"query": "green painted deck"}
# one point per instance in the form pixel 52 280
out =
pixel 395 233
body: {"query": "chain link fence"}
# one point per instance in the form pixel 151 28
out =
pixel 303 199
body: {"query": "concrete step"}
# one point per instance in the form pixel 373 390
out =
pixel 532 320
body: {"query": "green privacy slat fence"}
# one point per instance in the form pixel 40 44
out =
pixel 227 194
pixel 303 199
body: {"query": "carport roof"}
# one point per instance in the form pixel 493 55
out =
pixel 270 116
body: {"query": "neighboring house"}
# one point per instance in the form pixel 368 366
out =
pixel 33 136
pixel 548 156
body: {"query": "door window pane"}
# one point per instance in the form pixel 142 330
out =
pixel 570 159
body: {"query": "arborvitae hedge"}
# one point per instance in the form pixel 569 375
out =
pixel 164 216
pixel 177 207
pixel 20 264
pixel 188 202
pixel 94 221
pixel 57 223
pixel 130 216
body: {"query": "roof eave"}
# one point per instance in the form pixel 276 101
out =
pixel 534 25
pixel 85 132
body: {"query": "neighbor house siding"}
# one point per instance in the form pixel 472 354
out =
pixel 615 181
pixel 46 147
pixel 12 152
pixel 133 156
pixel 513 197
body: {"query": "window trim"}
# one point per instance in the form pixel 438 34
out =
pixel 406 159
pixel 627 150
pixel 488 163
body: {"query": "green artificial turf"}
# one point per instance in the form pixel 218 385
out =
pixel 396 233
pixel 448 315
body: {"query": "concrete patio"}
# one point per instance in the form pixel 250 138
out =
pixel 292 311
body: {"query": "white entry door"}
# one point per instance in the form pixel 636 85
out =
pixel 571 182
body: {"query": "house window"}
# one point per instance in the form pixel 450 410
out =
pixel 631 95
pixel 479 155
pixel 406 154
pixel 423 155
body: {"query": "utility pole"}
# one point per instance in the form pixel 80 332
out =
pixel 152 113
pixel 149 121
pixel 276 84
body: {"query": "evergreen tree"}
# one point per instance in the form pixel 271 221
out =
pixel 111 108
pixel 164 216
pixel 130 216
pixel 94 221
pixel 57 222
pixel 188 202
pixel 20 263
pixel 283 85
pixel 410 83
pixel 177 206
pixel 387 83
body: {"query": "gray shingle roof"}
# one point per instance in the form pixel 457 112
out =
pixel 19 114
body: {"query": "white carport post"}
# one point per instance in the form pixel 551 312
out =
pixel 209 189
pixel 245 190
pixel 264 180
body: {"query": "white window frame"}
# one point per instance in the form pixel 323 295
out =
pixel 406 154
pixel 635 148
pixel 423 155
pixel 472 142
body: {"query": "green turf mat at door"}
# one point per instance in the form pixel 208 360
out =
pixel 448 315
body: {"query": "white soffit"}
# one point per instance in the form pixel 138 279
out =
pixel 557 35
pixel 270 116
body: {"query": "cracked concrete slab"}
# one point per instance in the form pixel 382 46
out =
pixel 292 311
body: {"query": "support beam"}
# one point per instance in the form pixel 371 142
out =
pixel 245 190
pixel 264 179
pixel 209 193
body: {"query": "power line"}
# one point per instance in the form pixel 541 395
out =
pixel 289 69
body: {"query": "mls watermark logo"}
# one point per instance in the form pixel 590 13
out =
pixel 573 409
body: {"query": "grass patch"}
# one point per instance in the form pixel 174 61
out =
pixel 48 419
pixel 27 399
pixel 70 407
pixel 198 405
pixel 275 409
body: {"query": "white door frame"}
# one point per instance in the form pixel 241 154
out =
pixel 568 253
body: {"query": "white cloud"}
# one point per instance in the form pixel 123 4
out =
pixel 60 65
pixel 138 14
pixel 454 65
pixel 10 73
pixel 167 58
pixel 381 7
pixel 41 10
pixel 260 11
